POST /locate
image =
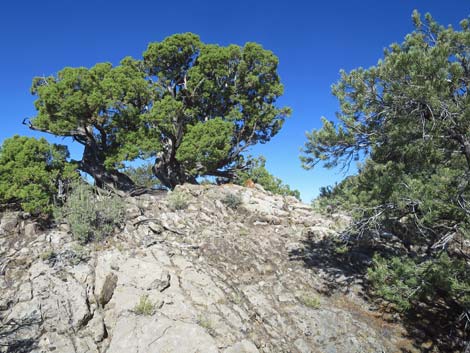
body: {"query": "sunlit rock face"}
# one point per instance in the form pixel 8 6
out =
pixel 214 275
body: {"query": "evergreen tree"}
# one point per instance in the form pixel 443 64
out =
pixel 409 115
pixel 143 176
pixel 194 107
pixel 33 173
pixel 100 109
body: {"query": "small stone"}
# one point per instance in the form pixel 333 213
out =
pixel 8 223
pixel 133 212
pixel 30 230
pixel 162 283
pixel 156 228
pixel 427 345
pixel 107 291
pixel 25 215
pixel 64 227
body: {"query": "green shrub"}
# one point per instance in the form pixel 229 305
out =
pixel 178 200
pixel 79 254
pixel 310 301
pixel 232 201
pixel 404 281
pixel 145 306
pixel 48 255
pixel 91 214
pixel 258 173
pixel 32 173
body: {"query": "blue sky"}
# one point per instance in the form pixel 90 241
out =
pixel 313 41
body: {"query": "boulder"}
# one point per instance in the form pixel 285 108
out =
pixel 9 222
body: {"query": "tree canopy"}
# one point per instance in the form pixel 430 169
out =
pixel 99 108
pixel 193 107
pixel 409 116
pixel 417 95
pixel 32 173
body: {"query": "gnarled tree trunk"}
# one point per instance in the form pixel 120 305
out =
pixel 170 172
pixel 93 159
pixel 93 163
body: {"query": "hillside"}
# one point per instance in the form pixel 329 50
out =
pixel 209 278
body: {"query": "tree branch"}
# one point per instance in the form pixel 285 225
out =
pixel 78 135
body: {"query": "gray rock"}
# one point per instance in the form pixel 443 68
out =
pixel 107 290
pixel 156 228
pixel 9 222
pixel 96 327
pixel 302 346
pixel 30 230
pixel 133 212
pixel 205 280
pixel 147 334
pixel 244 346
pixel 161 283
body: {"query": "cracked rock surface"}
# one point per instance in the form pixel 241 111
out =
pixel 205 279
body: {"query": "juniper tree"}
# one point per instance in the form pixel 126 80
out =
pixel 33 173
pixel 98 108
pixel 193 107
pixel 210 103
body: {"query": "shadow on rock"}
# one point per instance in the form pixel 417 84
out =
pixel 338 266
pixel 12 336
pixel 21 346
pixel 429 326
pixel 342 268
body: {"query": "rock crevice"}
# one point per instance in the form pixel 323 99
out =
pixel 205 279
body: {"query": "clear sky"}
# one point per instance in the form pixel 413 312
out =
pixel 313 40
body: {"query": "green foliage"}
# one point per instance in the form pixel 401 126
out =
pixel 213 103
pixel 100 105
pixel 79 254
pixel 232 201
pixel 91 215
pixel 258 173
pixel 194 107
pixel 341 196
pixel 143 176
pixel 402 281
pixel 410 117
pixel 178 200
pixel 205 145
pixel 48 255
pixel 145 306
pixel 414 98
pixel 310 301
pixel 31 172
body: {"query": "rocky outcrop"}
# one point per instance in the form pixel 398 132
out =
pixel 205 279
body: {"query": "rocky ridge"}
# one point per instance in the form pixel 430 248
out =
pixel 205 279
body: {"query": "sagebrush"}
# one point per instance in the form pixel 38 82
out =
pixel 178 200
pixel 91 213
pixel 232 201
